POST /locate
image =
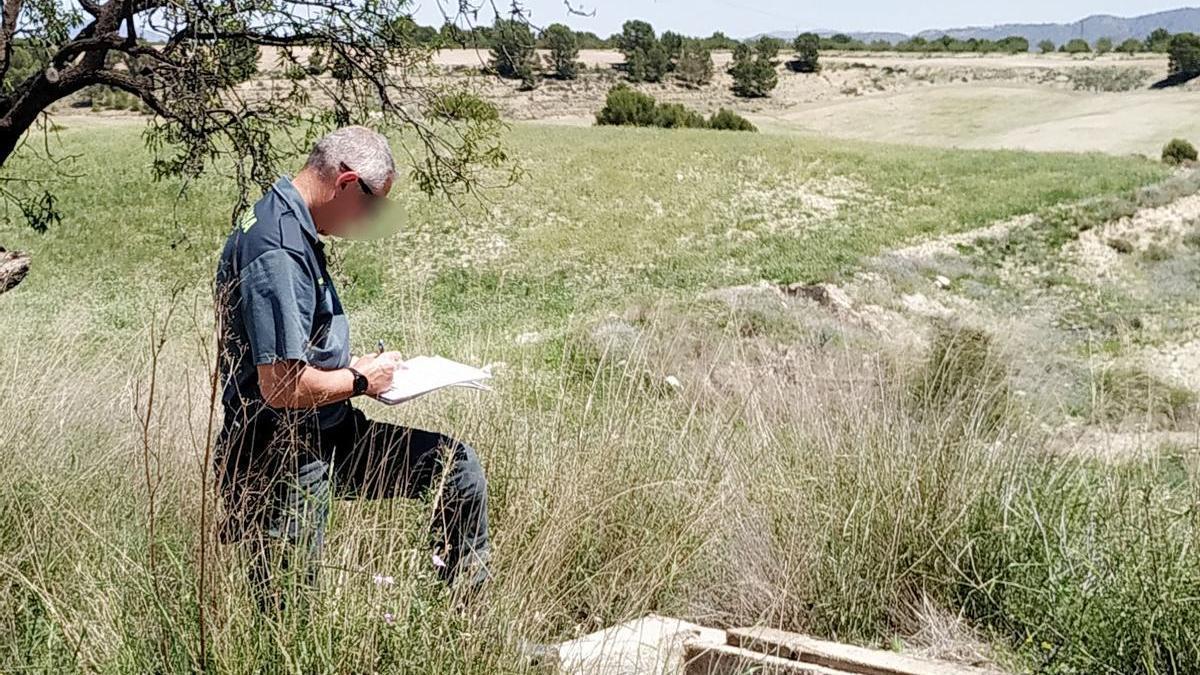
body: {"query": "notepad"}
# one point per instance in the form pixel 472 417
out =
pixel 424 374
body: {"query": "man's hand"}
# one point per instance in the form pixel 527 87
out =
pixel 379 370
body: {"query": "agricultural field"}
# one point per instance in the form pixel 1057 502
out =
pixel 929 399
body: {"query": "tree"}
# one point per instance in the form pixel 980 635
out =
pixel 1158 41
pixel 645 58
pixel 808 53
pixel 754 75
pixel 52 49
pixel 564 51
pixel 695 67
pixel 514 51
pixel 1104 45
pixel 1130 46
pixel 1185 54
pixel 672 44
pixel 1046 46
pixel 768 47
pixel 1077 46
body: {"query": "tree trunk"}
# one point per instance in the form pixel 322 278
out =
pixel 14 265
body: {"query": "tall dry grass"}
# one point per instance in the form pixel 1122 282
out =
pixel 822 489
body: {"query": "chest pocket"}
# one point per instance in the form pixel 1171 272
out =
pixel 329 342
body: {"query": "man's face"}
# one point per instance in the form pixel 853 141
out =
pixel 354 202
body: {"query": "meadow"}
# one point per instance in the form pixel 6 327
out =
pixel 649 447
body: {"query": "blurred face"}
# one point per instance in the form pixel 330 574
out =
pixel 353 203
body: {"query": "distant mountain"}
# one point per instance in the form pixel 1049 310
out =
pixel 1093 28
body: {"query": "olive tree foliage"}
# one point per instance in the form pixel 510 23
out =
pixel 183 59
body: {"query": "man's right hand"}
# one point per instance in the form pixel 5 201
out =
pixel 379 370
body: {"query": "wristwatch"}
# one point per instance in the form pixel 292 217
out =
pixel 360 382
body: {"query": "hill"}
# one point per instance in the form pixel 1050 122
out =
pixel 1092 28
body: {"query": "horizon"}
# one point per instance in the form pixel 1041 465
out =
pixel 746 18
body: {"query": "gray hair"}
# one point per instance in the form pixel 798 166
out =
pixel 364 151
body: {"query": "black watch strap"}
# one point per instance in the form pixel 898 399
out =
pixel 360 382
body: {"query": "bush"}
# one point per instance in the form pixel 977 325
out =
pixel 564 50
pixel 1046 46
pixel 1077 46
pixel 1184 51
pixel 727 120
pixel 1130 46
pixel 463 106
pixel 676 116
pixel 1104 45
pixel 1179 151
pixel 695 67
pixel 808 54
pixel 625 107
pixel 513 51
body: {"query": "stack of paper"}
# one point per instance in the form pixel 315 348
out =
pixel 423 374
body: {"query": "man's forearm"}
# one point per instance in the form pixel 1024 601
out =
pixel 303 386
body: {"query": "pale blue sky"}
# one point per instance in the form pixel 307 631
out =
pixel 742 18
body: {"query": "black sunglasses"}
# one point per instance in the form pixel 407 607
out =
pixel 362 184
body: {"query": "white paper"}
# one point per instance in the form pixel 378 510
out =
pixel 423 374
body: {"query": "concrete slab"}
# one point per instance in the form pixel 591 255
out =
pixel 652 645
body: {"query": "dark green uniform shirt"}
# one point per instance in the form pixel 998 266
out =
pixel 278 301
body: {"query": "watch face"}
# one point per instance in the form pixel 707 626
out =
pixel 360 382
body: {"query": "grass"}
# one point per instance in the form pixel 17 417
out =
pixel 789 478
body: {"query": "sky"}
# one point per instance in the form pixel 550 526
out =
pixel 744 18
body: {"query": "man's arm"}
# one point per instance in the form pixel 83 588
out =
pixel 294 384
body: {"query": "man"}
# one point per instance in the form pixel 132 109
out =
pixel 291 441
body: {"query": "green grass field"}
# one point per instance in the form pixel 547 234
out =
pixel 758 491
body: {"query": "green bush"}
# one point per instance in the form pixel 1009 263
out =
pixel 1130 46
pixel 646 60
pixel 727 120
pixel 1184 51
pixel 462 106
pixel 1077 46
pixel 1046 46
pixel 1104 45
pixel 676 116
pixel 1179 151
pixel 808 54
pixel 625 107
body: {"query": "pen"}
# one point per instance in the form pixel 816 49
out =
pixel 379 345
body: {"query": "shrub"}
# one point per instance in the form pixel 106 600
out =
pixel 727 120
pixel 1104 45
pixel 1046 46
pixel 1184 51
pixel 676 116
pixel 1159 41
pixel 808 54
pixel 695 67
pixel 625 107
pixel 1130 46
pixel 513 51
pixel 672 44
pixel 1179 151
pixel 1077 46
pixel 463 106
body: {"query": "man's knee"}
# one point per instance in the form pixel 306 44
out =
pixel 469 479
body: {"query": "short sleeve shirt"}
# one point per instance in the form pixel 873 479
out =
pixel 277 301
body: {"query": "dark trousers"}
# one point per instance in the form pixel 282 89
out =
pixel 278 474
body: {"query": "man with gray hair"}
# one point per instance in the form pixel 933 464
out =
pixel 291 441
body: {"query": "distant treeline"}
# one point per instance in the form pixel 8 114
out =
pixel 483 37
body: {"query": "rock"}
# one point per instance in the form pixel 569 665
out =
pixel 941 282
pixel 826 295
pixel 737 296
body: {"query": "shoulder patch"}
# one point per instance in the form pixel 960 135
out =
pixel 247 221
